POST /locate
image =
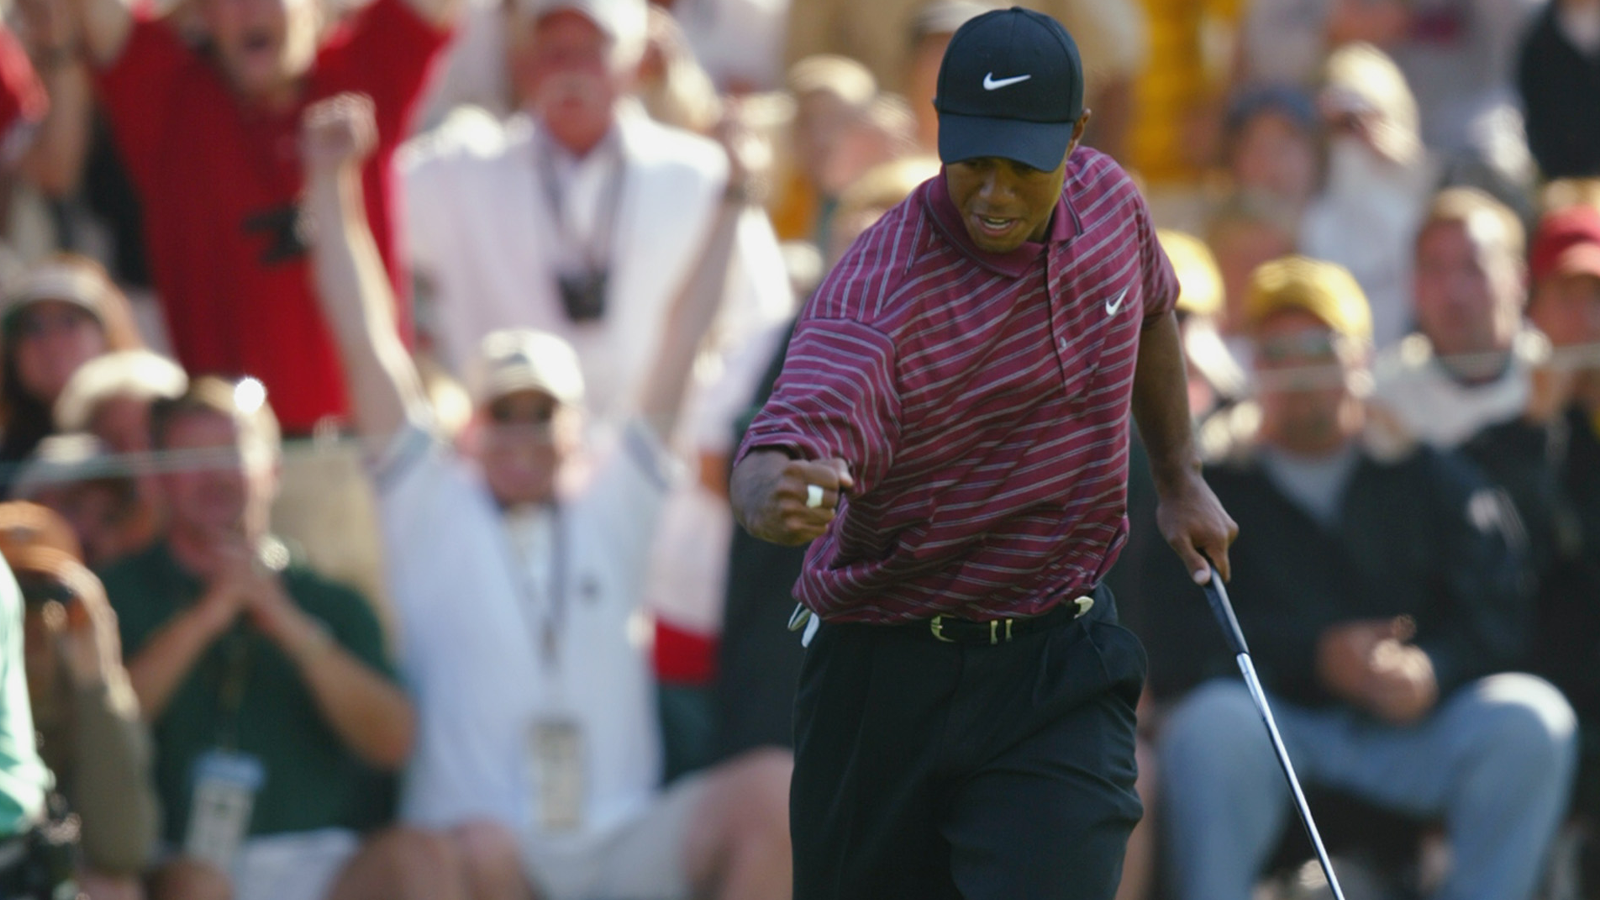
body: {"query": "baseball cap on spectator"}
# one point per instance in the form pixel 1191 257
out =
pixel 1199 281
pixel 1566 243
pixel 76 285
pixel 625 22
pixel 519 359
pixel 139 374
pixel 1360 80
pixel 1325 290
pixel 1010 86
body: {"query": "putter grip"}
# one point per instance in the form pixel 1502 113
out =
pixel 1217 596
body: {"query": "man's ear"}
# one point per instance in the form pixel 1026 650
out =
pixel 1077 131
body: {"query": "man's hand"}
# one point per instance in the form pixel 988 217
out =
pixel 1194 523
pixel 89 643
pixel 1370 665
pixel 337 133
pixel 770 492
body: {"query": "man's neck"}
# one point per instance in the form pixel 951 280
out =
pixel 1475 369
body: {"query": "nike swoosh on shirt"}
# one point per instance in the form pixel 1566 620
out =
pixel 1115 303
pixel 990 83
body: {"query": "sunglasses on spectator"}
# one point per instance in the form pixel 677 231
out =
pixel 1306 344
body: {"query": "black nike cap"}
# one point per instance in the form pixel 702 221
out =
pixel 1011 86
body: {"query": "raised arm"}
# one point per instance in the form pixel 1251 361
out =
pixel 1189 515
pixel 356 297
pixel 700 299
pixel 442 13
pixel 53 160
pixel 103 26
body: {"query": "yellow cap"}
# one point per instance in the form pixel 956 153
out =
pixel 1199 282
pixel 1323 289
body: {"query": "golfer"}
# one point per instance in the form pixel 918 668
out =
pixel 951 430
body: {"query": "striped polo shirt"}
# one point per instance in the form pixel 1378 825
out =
pixel 981 401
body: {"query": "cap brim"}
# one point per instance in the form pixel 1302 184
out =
pixel 1040 145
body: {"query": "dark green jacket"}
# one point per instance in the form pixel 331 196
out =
pixel 1425 536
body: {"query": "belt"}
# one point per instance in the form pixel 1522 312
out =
pixel 953 630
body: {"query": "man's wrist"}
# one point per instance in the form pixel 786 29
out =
pixel 312 643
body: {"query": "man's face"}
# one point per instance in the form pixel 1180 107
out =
pixel 1302 383
pixel 264 46
pixel 1567 309
pixel 564 72
pixel 52 339
pixel 1275 156
pixel 1002 202
pixel 526 437
pixel 220 490
pixel 1468 290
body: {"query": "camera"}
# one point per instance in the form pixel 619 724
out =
pixel 583 295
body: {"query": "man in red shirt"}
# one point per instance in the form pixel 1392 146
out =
pixel 211 142
pixel 950 428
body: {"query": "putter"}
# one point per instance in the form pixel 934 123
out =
pixel 1217 596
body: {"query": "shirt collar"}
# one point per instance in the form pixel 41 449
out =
pixel 1064 226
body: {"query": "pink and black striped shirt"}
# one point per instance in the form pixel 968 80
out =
pixel 981 401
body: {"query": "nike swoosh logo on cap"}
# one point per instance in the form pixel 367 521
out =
pixel 990 83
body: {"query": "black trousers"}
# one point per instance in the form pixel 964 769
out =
pixel 927 770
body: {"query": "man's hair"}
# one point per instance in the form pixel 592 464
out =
pixel 1479 214
pixel 236 400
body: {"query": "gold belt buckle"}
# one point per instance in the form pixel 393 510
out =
pixel 936 625
pixel 994 631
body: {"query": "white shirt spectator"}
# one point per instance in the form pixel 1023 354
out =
pixel 484 243
pixel 521 618
pixel 487 247
pixel 1436 408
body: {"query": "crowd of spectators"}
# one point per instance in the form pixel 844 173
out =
pixel 369 374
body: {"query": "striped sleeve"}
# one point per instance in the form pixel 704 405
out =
pixel 1159 282
pixel 836 398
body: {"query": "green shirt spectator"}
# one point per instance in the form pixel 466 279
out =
pixel 23 777
pixel 311 780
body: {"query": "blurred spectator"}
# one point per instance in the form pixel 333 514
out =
pixel 268 688
pixel 228 260
pixel 1563 436
pixel 758 664
pixel 560 223
pixel 535 695
pixel 583 219
pixel 90 734
pixel 1271 147
pixel 64 313
pixel 98 493
pixel 1109 33
pixel 1242 233
pixel 1468 366
pixel 1558 76
pixel 675 90
pixel 1284 42
pixel 739 42
pixel 831 95
pixel 1367 213
pixel 24 780
pixel 1457 55
pixel 931 31
pixel 1379 651
pixel 110 397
